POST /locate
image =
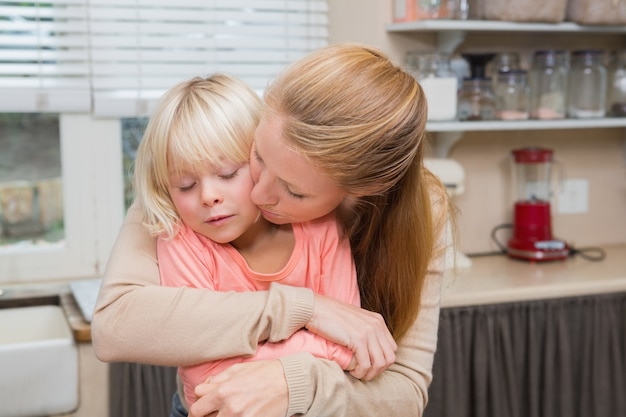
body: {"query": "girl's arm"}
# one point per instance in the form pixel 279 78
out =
pixel 133 308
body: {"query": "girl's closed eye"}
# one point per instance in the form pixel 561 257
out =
pixel 186 187
pixel 229 175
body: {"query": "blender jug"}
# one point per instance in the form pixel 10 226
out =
pixel 532 226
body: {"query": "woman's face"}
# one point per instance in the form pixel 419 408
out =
pixel 288 189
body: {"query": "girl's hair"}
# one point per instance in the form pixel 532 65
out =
pixel 199 123
pixel 361 119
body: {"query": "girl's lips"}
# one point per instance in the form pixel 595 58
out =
pixel 218 220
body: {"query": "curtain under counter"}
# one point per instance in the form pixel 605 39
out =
pixel 547 358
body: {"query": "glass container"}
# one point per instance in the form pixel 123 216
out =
pixel 548 84
pixel 587 85
pixel 432 71
pixel 503 61
pixel 434 9
pixel 477 100
pixel 616 103
pixel 512 95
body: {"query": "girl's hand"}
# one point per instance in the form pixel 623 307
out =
pixel 248 389
pixel 360 330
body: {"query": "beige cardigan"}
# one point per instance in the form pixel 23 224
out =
pixel 137 320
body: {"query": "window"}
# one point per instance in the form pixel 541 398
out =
pixel 31 206
pixel 86 74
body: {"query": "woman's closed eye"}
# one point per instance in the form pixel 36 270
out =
pixel 294 195
pixel 256 155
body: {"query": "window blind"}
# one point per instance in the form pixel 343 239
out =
pixel 115 58
pixel 140 48
pixel 44 56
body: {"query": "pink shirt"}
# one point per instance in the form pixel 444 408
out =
pixel 320 260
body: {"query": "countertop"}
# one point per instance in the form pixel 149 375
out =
pixel 500 279
pixel 489 280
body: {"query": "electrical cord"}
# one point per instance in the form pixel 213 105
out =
pixel 593 254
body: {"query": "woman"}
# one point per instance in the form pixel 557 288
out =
pixel 343 129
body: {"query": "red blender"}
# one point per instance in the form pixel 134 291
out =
pixel 532 231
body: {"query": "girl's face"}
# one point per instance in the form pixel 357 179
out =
pixel 287 188
pixel 215 202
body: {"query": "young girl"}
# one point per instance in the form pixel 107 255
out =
pixel 192 176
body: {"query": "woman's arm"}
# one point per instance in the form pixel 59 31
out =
pixel 314 387
pixel 136 319
pixel 401 390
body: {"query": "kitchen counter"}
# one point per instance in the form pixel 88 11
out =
pixel 499 279
pixel 489 280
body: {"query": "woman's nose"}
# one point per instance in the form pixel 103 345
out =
pixel 262 193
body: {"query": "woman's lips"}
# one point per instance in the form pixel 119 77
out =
pixel 269 214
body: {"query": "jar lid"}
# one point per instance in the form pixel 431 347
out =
pixel 587 52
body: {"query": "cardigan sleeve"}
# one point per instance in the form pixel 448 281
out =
pixel 138 320
pixel 319 387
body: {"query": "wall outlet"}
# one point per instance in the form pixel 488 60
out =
pixel 573 197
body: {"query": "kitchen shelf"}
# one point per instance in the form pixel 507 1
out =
pixel 498 26
pixel 451 33
pixel 455 126
pixel 449 133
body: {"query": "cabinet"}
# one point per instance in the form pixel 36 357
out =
pixel 451 33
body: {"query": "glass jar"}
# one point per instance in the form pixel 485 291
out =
pixel 503 61
pixel 432 71
pixel 512 95
pixel 548 84
pixel 587 85
pixel 616 102
pixel 432 9
pixel 476 100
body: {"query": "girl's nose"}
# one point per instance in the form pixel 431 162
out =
pixel 210 196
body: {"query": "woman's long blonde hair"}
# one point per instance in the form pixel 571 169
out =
pixel 361 119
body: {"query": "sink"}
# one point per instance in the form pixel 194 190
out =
pixel 38 362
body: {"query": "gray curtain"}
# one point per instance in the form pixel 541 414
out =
pixel 137 390
pixel 549 358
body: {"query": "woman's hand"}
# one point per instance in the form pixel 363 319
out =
pixel 249 389
pixel 362 331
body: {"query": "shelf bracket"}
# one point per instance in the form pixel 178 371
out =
pixel 444 141
pixel 448 41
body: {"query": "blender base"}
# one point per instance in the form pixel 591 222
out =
pixel 538 251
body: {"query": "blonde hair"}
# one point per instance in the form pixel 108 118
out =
pixel 361 119
pixel 198 123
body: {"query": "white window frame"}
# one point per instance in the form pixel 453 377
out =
pixel 91 155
